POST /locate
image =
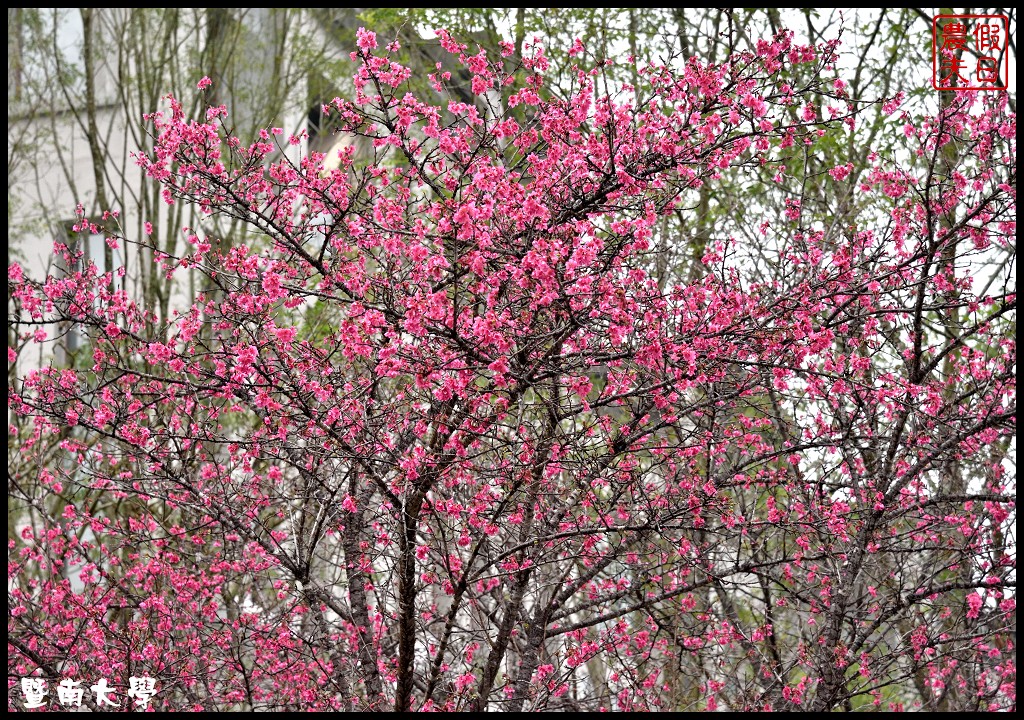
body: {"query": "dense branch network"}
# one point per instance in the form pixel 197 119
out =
pixel 459 448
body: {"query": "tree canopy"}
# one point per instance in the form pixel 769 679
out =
pixel 640 386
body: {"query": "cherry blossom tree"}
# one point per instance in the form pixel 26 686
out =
pixel 442 435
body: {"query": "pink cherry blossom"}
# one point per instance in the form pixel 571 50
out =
pixel 474 445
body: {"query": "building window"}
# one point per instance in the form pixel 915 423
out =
pixel 88 248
